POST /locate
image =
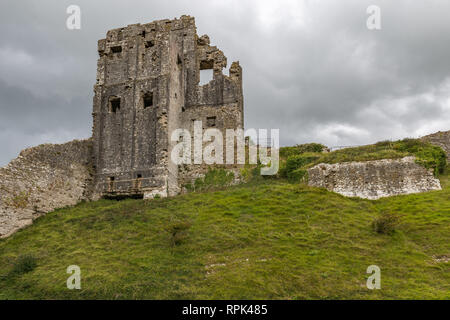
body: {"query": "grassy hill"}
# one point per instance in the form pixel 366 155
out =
pixel 267 239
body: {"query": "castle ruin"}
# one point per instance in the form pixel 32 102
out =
pixel 147 86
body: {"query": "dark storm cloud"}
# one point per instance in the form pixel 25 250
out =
pixel 311 68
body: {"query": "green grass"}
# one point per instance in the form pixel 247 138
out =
pixel 267 239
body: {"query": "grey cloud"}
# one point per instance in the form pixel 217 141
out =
pixel 311 68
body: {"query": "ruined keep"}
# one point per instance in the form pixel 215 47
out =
pixel 147 86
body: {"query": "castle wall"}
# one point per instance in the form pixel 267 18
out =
pixel 440 139
pixel 176 100
pixel 42 179
pixel 218 104
pixel 373 179
pixel 227 116
pixel 131 144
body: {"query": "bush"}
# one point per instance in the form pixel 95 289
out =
pixel 286 152
pixel 213 179
pixel 178 231
pixel 24 264
pixel 427 155
pixel 432 158
pixel 298 175
pixel 250 173
pixel 386 223
pixel 294 169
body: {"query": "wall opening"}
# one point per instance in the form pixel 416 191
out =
pixel 206 76
pixel 211 121
pixel 148 100
pixel 116 49
pixel 114 104
pixel 206 71
pixel 119 197
pixel 149 44
pixel 138 181
pixel 111 184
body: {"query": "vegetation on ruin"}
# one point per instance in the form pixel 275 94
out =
pixel 294 161
pixel 19 201
pixel 215 178
pixel 266 239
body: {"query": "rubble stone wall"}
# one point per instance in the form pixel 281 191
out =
pixel 42 179
pixel 374 179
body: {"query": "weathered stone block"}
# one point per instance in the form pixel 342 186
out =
pixel 373 179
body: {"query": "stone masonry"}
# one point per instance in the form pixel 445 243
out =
pixel 147 86
pixel 374 179
pixel 42 179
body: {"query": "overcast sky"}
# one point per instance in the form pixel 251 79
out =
pixel 310 68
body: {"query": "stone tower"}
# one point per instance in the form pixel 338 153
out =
pixel 147 86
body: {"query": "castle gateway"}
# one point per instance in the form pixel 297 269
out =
pixel 148 84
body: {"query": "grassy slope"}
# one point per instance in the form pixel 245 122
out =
pixel 266 240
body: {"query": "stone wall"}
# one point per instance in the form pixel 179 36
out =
pixel 374 179
pixel 440 139
pixel 42 179
pixel 147 86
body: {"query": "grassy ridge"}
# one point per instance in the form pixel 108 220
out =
pixel 267 239
pixel 294 161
